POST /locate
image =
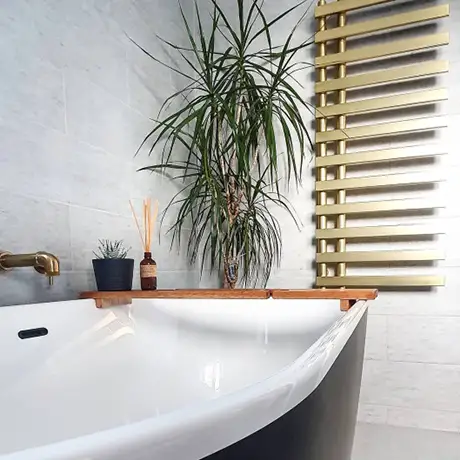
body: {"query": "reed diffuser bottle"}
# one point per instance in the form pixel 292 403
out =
pixel 148 267
pixel 148 273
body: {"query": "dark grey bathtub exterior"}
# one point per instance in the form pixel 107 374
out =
pixel 322 426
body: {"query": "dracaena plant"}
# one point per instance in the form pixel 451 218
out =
pixel 241 124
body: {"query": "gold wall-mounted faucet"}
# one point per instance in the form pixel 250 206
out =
pixel 43 262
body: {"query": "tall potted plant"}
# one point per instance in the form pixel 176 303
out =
pixel 241 125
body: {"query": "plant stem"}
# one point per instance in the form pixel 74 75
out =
pixel 230 273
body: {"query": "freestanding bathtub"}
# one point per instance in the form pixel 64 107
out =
pixel 180 379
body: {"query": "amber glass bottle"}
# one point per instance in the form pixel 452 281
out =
pixel 148 273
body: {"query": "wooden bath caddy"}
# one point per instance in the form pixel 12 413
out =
pixel 347 297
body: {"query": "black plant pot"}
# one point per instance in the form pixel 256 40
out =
pixel 114 274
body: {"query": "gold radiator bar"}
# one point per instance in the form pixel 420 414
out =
pixel 341 149
pixel 384 103
pixel 332 206
pixel 378 181
pixel 377 206
pixel 375 156
pixel 385 23
pixel 379 232
pixel 358 281
pixel 321 148
pixel 345 5
pixel 414 71
pixel 379 256
pixel 382 129
pixel 384 50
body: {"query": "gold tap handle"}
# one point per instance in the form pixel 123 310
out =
pixel 2 254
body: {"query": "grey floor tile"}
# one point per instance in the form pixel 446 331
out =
pixel 383 442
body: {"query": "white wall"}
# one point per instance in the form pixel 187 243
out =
pixel 75 97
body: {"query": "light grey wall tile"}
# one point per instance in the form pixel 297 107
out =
pixel 98 118
pixel 368 413
pixel 23 286
pixel 104 185
pixel 396 443
pixel 33 159
pixel 171 257
pixel 81 27
pixel 69 137
pixel 292 279
pixel 437 302
pixel 95 116
pixel 411 385
pixel 81 281
pixel 376 337
pixel 15 22
pixel 178 279
pixel 31 88
pixel 209 280
pixel 299 255
pixel 426 419
pixel 30 224
pixel 148 82
pixel 425 339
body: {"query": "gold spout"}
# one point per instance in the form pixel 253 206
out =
pixel 43 262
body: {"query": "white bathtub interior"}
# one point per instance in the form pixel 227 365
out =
pixel 98 369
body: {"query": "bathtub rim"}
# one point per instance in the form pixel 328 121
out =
pixel 219 422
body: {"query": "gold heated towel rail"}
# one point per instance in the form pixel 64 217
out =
pixel 334 135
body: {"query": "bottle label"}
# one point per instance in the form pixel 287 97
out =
pixel 148 271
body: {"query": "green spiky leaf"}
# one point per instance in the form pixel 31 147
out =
pixel 238 133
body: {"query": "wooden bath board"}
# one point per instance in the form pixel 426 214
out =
pixel 347 297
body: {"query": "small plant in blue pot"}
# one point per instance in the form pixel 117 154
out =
pixel 113 271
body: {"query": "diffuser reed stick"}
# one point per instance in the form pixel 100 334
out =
pixel 148 222
pixel 135 219
pixel 148 267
